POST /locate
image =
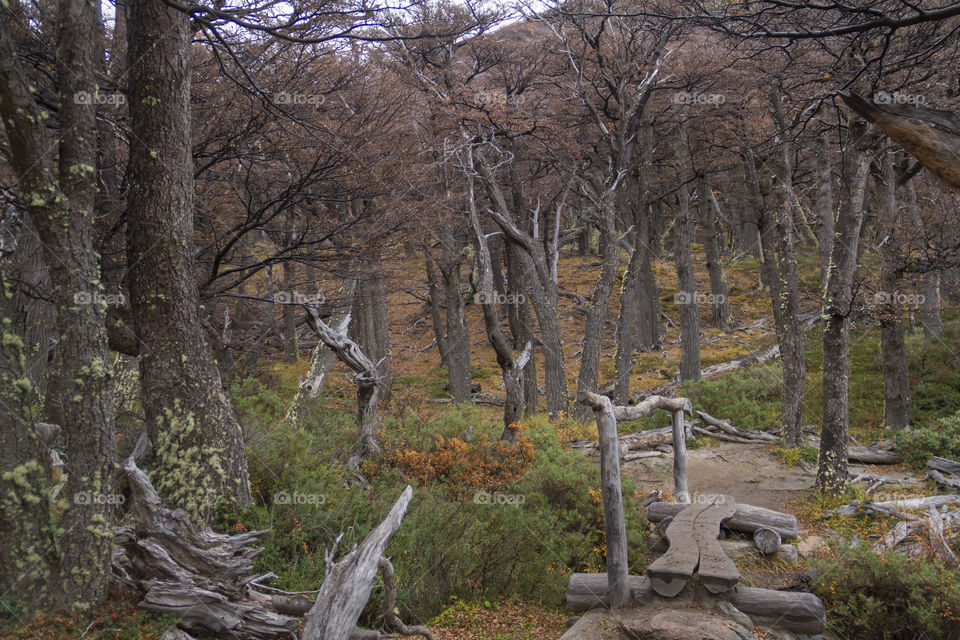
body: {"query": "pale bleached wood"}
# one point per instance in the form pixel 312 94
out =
pixel 680 489
pixel 347 583
pixel 767 540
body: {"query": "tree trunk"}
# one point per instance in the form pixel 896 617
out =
pixel 321 360
pixel 53 559
pixel 709 217
pixel 458 333
pixel 790 334
pixel 436 311
pixel 893 350
pixel 838 303
pixel 290 349
pixel 369 327
pixel 686 298
pixel 197 441
pixel 930 287
pixel 824 207
pixel 521 323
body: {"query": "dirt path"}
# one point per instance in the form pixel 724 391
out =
pixel 749 473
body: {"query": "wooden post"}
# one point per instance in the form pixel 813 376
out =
pixel 614 524
pixel 680 491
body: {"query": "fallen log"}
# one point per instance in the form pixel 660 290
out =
pixel 948 481
pixel 767 540
pixel 736 548
pixel 727 427
pixel 858 506
pixel 795 611
pixel 944 465
pixel 870 455
pixel 747 518
pixel 939 544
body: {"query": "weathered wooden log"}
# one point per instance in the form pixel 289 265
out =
pixel 796 611
pixel 735 548
pixel 944 465
pixel 949 481
pixel 724 437
pixel 612 493
pixel 347 583
pixel 906 528
pixel 587 591
pixel 858 506
pixel 937 542
pixel 680 489
pixel 870 455
pixel 767 540
pixel 651 404
pixel 724 425
pixel 747 518
pixel 641 455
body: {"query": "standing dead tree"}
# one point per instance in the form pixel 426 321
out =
pixel 368 382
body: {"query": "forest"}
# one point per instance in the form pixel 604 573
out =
pixel 480 319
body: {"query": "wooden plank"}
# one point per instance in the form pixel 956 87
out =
pixel 670 573
pixel 717 571
pixel 747 518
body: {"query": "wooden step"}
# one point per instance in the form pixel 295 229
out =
pixel 717 571
pixel 670 573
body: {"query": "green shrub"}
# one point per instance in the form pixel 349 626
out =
pixel 888 597
pixel 749 398
pixel 942 438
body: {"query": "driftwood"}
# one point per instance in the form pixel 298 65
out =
pixel 906 528
pixel 205 578
pixel 728 428
pixel 855 507
pixel 944 471
pixel 347 583
pixel 795 611
pixel 747 518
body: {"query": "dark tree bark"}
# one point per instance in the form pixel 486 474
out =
pixel 893 350
pixel 369 326
pixel 198 445
pixel 60 563
pixel 790 334
pixel 521 323
pixel 686 290
pixel 712 245
pixel 589 374
pixel 457 347
pixel 291 352
pixel 824 206
pixel 837 305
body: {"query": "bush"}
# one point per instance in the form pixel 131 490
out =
pixel 540 517
pixel 940 439
pixel 888 597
